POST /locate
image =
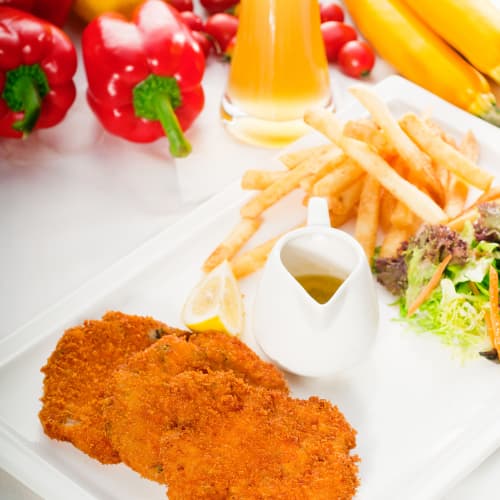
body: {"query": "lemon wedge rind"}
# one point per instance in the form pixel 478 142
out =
pixel 215 303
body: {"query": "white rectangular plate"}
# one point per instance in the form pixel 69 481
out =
pixel 424 419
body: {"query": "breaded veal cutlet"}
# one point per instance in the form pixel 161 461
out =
pixel 135 409
pixel 78 371
pixel 225 439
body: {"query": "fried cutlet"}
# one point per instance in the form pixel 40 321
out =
pixel 225 439
pixel 135 410
pixel 79 369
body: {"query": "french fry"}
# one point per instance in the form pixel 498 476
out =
pixel 339 179
pixel 444 154
pixel 444 178
pixel 416 160
pixel 469 146
pixel 459 221
pixel 367 131
pixel 399 165
pixel 440 132
pixel 417 201
pixel 226 250
pixel 368 215
pixel 457 191
pixel 267 197
pixel 490 195
pixel 393 239
pixel 401 215
pixel 331 162
pixel 252 260
pixel 342 206
pixel 339 219
pixel 260 179
pixel 387 205
pixel 470 213
pixel 294 158
pixel 307 183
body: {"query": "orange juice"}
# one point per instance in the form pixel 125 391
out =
pixel 279 70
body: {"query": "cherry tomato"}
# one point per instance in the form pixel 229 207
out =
pixel 193 21
pixel 331 11
pixel 181 5
pixel 335 35
pixel 214 6
pixel 356 58
pixel 203 41
pixel 221 27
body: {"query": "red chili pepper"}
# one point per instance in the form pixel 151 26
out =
pixel 55 11
pixel 37 65
pixel 144 76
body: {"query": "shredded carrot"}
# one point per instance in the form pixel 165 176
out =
pixel 429 288
pixel 489 327
pixel 494 315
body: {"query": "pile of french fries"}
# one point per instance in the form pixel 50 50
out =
pixel 389 175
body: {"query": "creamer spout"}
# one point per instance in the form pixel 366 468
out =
pixel 317 212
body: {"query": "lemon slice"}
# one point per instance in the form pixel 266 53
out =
pixel 215 303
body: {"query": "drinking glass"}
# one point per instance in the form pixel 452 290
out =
pixel 278 71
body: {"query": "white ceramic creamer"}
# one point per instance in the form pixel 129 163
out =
pixel 293 329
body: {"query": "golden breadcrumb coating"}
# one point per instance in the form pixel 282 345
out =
pixel 225 439
pixel 78 371
pixel 135 409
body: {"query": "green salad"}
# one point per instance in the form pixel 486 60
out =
pixel 457 309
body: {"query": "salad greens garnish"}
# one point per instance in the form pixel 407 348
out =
pixel 457 309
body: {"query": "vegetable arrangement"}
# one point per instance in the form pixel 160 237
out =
pixel 144 76
pixel 411 35
pixel 447 282
pixel 410 40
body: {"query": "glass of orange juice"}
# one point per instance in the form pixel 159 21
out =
pixel 278 71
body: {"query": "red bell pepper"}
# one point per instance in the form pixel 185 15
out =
pixel 144 76
pixel 37 64
pixel 55 11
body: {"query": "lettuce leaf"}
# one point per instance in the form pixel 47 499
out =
pixel 456 318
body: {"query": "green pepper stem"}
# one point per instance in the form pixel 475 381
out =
pixel 32 104
pixel 179 145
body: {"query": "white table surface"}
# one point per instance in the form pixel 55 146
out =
pixel 73 200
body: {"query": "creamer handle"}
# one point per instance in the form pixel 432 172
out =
pixel 317 212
